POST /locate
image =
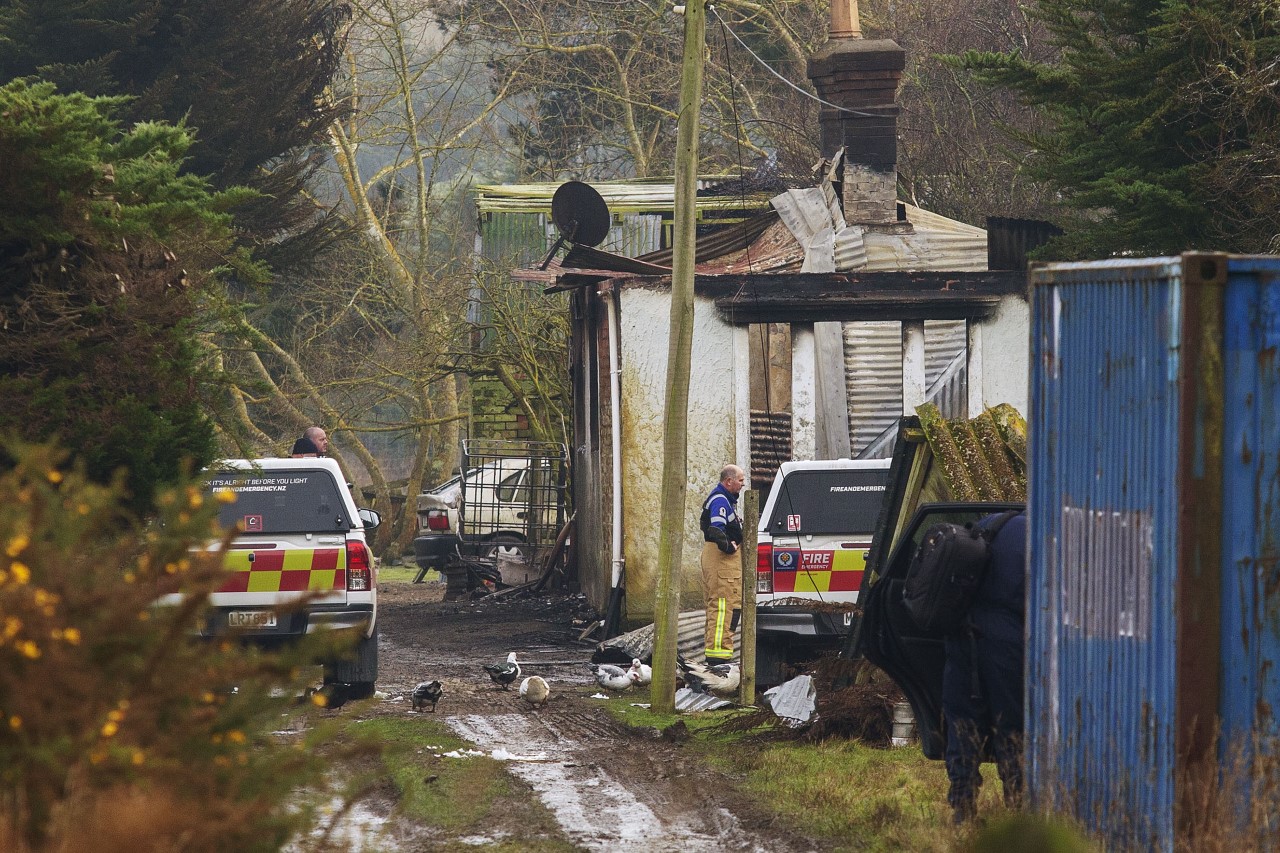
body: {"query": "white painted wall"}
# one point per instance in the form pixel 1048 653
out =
pixel 1006 360
pixel 646 321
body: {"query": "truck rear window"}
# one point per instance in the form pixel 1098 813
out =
pixel 297 501
pixel 829 501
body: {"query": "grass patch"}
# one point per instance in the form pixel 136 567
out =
pixel 404 574
pixel 473 795
pixel 850 796
pixel 857 797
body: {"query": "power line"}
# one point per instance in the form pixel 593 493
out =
pixel 770 69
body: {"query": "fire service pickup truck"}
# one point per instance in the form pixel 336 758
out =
pixel 814 532
pixel 299 563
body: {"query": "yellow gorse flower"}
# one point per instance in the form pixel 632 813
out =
pixel 17 544
pixel 21 573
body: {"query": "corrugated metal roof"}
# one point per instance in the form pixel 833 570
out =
pixel 815 220
pixel 936 243
pixel 773 251
pixel 651 195
pixel 850 249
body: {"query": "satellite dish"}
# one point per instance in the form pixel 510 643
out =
pixel 580 213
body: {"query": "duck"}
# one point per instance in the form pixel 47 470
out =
pixel 427 691
pixel 721 679
pixel 612 677
pixel 535 691
pixel 641 673
pixel 503 674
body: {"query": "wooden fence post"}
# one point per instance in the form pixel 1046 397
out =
pixel 750 517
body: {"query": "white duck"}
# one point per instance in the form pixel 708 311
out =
pixel 612 677
pixel 503 674
pixel 641 673
pixel 721 679
pixel 535 691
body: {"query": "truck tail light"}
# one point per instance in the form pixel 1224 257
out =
pixel 764 569
pixel 437 519
pixel 359 568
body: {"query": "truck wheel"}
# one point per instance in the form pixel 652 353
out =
pixel 504 545
pixel 358 672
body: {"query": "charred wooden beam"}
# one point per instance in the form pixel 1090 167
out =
pixel 815 297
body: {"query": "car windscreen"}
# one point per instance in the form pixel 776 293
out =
pixel 294 501
pixel 829 501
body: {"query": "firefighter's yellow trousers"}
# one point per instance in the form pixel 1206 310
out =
pixel 722 591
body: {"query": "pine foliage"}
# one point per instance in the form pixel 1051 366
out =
pixel 1165 122
pixel 98 228
pixel 250 77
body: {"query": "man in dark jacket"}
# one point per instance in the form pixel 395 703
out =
pixel 982 681
pixel 722 564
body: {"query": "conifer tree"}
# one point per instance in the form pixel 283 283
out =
pixel 1164 122
pixel 102 241
pixel 249 76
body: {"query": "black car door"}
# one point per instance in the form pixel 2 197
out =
pixel 889 638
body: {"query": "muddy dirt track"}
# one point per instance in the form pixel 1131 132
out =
pixel 609 787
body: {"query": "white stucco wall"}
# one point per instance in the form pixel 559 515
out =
pixel 644 339
pixel 1006 348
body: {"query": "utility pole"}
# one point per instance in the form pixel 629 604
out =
pixel 675 462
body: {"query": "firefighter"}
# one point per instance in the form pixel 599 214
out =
pixel 722 564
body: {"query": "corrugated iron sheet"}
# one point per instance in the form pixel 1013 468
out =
pixel 639 195
pixel 1103 531
pixel 873 376
pixel 690 639
pixel 1251 504
pixel 1152 595
pixel 850 249
pixel 804 212
pixel 935 243
pixel 523 239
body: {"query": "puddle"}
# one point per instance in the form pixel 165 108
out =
pixel 595 809
pixel 357 829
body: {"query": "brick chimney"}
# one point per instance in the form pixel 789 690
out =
pixel 862 76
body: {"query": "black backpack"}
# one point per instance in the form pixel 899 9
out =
pixel 946 571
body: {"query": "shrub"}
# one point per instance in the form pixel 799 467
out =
pixel 118 729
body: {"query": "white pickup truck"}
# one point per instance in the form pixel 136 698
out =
pixel 300 540
pixel 814 533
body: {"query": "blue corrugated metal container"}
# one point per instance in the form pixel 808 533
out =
pixel 1153 611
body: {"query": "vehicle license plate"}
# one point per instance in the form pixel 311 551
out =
pixel 251 619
